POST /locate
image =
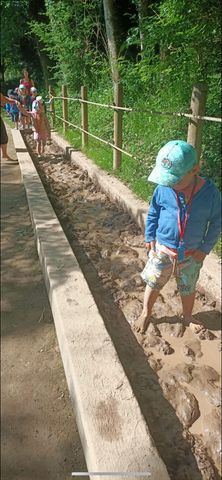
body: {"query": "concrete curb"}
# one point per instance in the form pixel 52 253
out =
pixel 113 431
pixel 210 276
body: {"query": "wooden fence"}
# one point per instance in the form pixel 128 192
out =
pixel 195 117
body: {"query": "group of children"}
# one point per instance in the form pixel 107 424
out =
pixel 26 99
pixel 28 111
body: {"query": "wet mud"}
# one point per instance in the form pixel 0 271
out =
pixel 174 373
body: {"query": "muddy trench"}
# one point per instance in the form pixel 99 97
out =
pixel 174 373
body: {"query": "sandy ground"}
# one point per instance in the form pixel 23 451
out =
pixel 39 437
pixel 174 373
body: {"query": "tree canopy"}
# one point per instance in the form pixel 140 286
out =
pixel 157 49
pixel 161 39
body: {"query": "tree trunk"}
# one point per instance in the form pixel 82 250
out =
pixel 112 36
pixel 2 70
pixel 44 63
pixel 144 11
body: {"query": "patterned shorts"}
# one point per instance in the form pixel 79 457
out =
pixel 159 268
pixel 39 137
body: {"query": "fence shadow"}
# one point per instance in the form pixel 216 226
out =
pixel 209 319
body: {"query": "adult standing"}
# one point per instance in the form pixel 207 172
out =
pixel 26 81
pixel 3 132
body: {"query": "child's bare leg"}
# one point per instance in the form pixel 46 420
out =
pixel 188 303
pixel 150 297
pixel 38 148
pixel 43 145
pixel 4 151
pixel 27 121
pixel 22 121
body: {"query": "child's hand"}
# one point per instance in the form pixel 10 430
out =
pixel 151 245
pixel 199 256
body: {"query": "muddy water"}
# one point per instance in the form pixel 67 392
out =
pixel 174 373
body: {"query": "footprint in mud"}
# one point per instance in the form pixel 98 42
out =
pixel 155 363
pixel 153 340
pixel 212 435
pixel 130 309
pixel 203 379
pixel 184 403
pixel 192 349
pixel 172 329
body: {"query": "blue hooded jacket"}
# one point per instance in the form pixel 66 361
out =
pixel 204 219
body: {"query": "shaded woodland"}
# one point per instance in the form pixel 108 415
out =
pixel 157 50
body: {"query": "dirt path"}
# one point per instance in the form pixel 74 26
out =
pixel 39 437
pixel 169 358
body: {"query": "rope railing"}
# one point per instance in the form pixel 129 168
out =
pixel 94 136
pixel 150 112
pixel 195 117
pixel 65 98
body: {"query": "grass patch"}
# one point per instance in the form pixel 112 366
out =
pixel 218 247
pixel 7 119
pixel 100 154
pixel 103 157
pixel 73 136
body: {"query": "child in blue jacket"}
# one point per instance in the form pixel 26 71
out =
pixel 182 227
pixel 14 111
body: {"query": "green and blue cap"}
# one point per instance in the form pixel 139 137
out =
pixel 173 161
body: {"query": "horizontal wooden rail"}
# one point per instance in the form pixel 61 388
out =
pixel 65 98
pixel 94 136
pixel 151 112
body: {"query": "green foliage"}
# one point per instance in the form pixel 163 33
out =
pixel 180 46
pixel 218 247
pixel 18 44
pixel 12 28
pixel 71 38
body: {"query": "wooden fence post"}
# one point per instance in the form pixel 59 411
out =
pixel 52 106
pixel 84 116
pixel 64 107
pixel 197 107
pixel 118 123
